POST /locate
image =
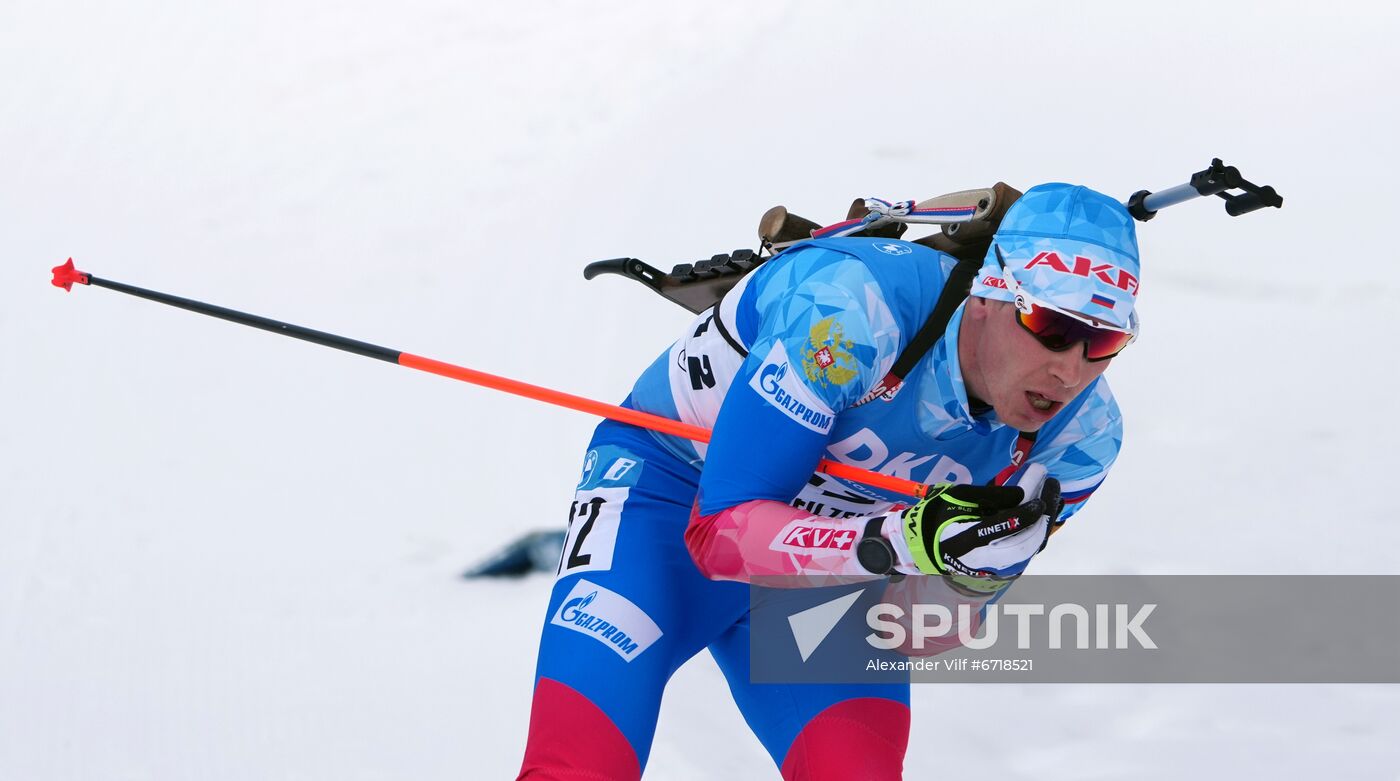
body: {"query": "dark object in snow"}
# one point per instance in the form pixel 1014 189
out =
pixel 535 552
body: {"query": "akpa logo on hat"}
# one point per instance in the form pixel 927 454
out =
pixel 1083 267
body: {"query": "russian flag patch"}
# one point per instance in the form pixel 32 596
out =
pixel 1101 300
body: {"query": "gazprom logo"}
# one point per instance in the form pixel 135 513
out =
pixel 784 390
pixel 771 375
pixel 574 607
pixel 609 618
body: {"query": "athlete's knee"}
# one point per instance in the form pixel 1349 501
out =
pixel 571 739
pixel 862 739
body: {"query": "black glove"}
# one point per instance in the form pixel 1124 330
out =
pixel 980 537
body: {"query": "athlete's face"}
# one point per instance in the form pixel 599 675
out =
pixel 1005 366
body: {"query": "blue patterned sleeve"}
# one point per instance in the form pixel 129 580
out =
pixel 824 338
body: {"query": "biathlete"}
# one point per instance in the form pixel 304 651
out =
pixel 794 365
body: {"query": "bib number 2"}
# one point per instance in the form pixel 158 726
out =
pixel 593 521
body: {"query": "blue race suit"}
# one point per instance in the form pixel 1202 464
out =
pixel 653 566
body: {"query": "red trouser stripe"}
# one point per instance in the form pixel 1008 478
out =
pixel 862 739
pixel 571 739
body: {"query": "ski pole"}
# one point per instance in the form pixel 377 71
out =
pixel 1215 180
pixel 66 275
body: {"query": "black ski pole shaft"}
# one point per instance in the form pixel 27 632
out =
pixel 242 318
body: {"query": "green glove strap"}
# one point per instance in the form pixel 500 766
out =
pixel 914 528
pixel 914 536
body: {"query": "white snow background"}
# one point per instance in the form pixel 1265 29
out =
pixel 230 555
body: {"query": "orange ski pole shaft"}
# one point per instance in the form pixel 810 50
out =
pixel 636 418
pixel 66 275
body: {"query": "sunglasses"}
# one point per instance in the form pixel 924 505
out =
pixel 1059 329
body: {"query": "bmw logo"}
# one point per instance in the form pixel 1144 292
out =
pixel 590 462
pixel 892 248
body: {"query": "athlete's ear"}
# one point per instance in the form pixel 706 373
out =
pixel 977 307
